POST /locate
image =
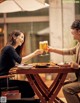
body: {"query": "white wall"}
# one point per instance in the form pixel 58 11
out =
pixel 61 17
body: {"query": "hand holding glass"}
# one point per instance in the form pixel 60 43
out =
pixel 43 45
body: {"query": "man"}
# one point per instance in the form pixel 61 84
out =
pixel 70 90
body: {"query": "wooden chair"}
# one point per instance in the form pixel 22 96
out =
pixel 10 92
pixel 13 95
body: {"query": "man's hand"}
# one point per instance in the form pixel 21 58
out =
pixel 74 65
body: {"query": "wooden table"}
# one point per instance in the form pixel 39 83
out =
pixel 46 94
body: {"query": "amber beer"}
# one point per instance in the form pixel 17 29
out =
pixel 41 45
pixel 45 46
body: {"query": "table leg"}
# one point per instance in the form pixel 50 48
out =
pixel 43 85
pixel 54 93
pixel 58 100
pixel 39 85
pixel 36 88
pixel 55 83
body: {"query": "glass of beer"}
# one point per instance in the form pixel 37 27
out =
pixel 45 47
pixel 41 46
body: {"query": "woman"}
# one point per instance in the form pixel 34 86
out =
pixel 10 54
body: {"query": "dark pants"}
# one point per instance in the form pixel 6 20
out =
pixel 70 92
pixel 23 86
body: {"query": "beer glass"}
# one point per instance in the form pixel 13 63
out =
pixel 41 44
pixel 45 47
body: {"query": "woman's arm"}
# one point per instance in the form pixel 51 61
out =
pixel 35 53
pixel 19 59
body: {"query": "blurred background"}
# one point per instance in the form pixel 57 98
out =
pixel 41 22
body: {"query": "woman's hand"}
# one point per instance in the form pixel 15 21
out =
pixel 38 51
pixel 26 58
pixel 74 65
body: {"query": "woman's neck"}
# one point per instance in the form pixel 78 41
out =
pixel 15 46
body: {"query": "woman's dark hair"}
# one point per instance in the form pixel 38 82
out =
pixel 12 41
pixel 76 25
